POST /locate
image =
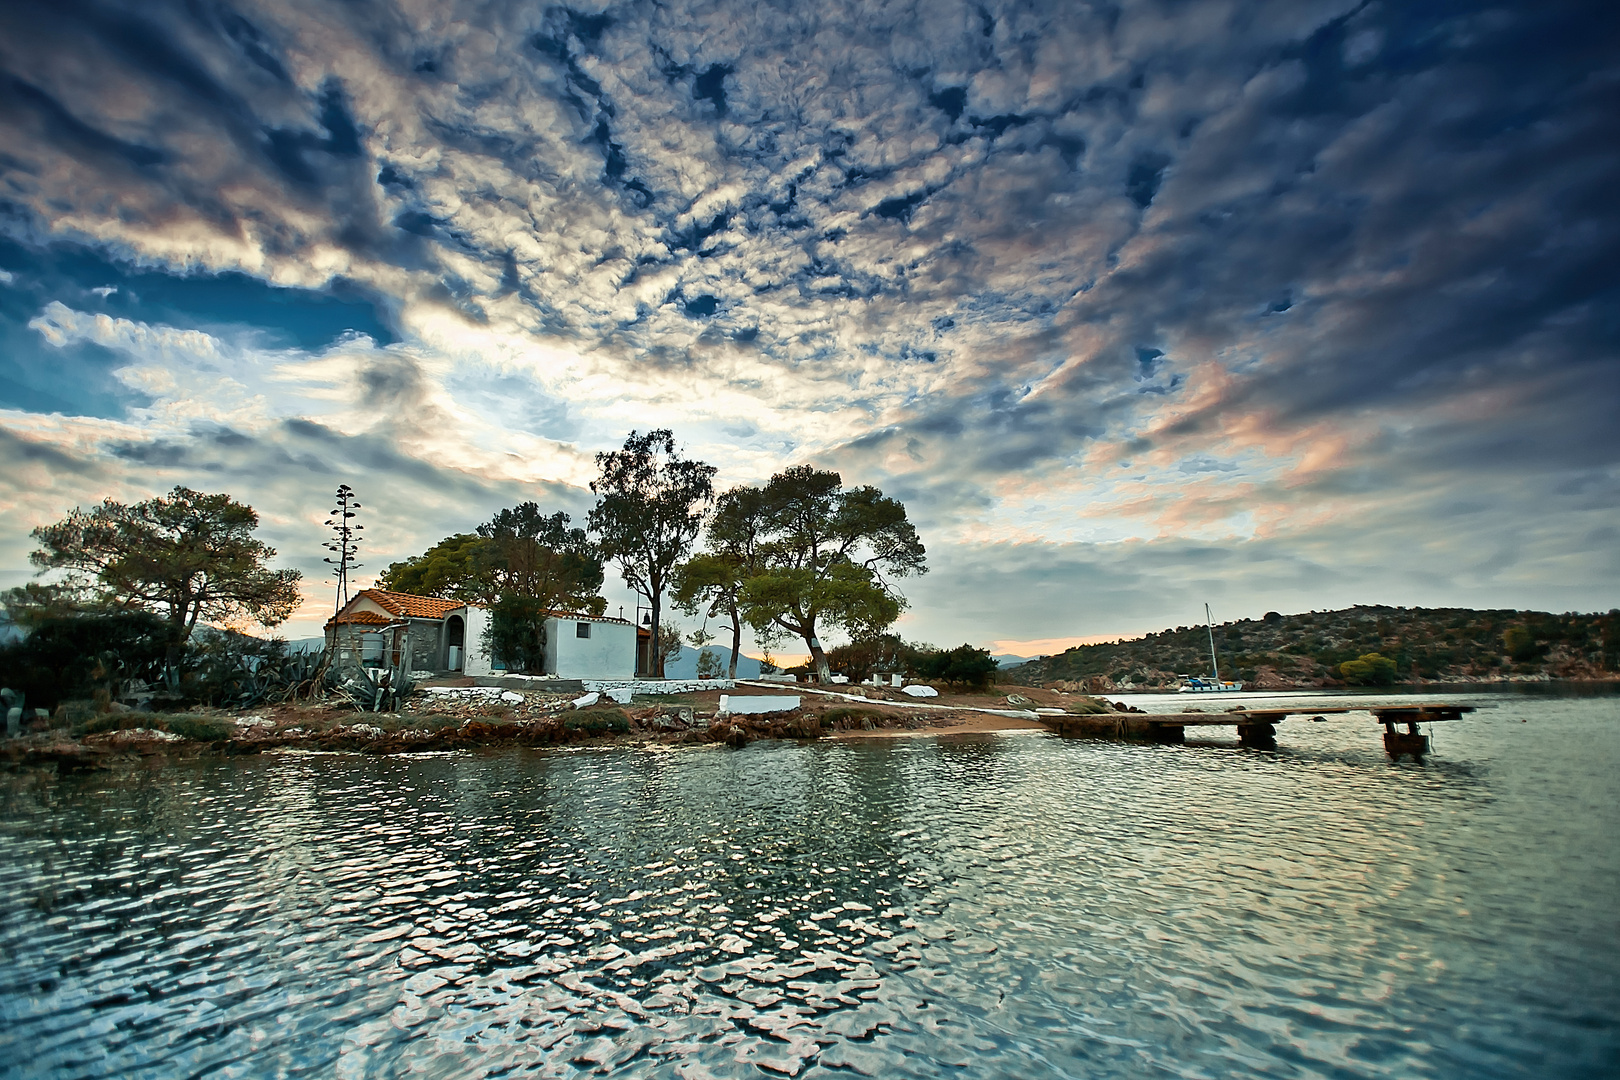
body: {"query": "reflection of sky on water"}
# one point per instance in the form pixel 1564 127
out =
pixel 1009 905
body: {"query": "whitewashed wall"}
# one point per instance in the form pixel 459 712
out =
pixel 609 653
pixel 477 657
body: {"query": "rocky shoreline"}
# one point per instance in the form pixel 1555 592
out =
pixel 440 722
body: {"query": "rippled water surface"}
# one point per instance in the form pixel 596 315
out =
pixel 1000 906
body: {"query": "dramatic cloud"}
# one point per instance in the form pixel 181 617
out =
pixel 1279 304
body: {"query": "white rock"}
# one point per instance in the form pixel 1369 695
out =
pixel 620 694
pixel 513 697
pixel 918 690
pixel 589 699
pixel 749 705
pixel 140 733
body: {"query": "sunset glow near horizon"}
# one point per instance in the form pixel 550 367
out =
pixel 1279 306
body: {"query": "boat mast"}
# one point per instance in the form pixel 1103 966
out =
pixel 1209 621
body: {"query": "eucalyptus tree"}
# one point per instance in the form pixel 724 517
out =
pixel 650 507
pixel 827 558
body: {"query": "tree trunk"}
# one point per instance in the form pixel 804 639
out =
pixel 736 643
pixel 655 658
pixel 822 670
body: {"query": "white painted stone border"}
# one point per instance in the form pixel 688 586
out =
pixel 660 686
pixel 755 704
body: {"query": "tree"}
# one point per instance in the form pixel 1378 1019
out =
pixel 516 633
pixel 33 603
pixel 1370 669
pixel 669 644
pixel 449 569
pixel 713 580
pixel 185 555
pixel 861 658
pixel 708 666
pixel 963 664
pixel 650 505
pixel 527 553
pixel 825 559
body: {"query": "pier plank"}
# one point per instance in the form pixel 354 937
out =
pixel 1256 726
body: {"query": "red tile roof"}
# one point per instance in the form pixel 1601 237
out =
pixel 368 618
pixel 403 603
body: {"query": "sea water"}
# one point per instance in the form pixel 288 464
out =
pixel 1012 905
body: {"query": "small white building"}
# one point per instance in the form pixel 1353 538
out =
pixel 382 628
pixel 590 647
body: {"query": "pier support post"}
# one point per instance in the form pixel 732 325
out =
pixel 1409 741
pixel 1258 736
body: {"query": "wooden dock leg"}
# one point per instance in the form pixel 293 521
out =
pixel 1258 736
pixel 1409 741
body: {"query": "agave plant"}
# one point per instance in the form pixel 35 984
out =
pixel 381 693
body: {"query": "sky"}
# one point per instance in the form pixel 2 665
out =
pixel 1136 305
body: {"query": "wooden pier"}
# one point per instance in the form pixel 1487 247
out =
pixel 1258 727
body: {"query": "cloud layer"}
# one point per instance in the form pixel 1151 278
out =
pixel 1283 304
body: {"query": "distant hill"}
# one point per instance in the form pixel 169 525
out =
pixel 1007 660
pixel 1305 650
pixel 684 665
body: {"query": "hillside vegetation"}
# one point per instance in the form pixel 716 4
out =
pixel 1280 651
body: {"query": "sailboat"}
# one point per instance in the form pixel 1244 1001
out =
pixel 1195 685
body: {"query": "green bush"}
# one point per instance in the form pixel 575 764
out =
pixel 75 656
pixel 96 725
pixel 1370 669
pixel 963 665
pixel 851 717
pixel 599 722
pixel 199 728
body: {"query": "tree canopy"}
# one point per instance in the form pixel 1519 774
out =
pixel 826 558
pixel 712 581
pixel 650 506
pixel 523 565
pixel 1369 669
pixel 449 569
pixel 187 556
pixel 518 552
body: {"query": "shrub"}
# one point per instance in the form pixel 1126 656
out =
pixel 598 722
pixel 847 717
pixel 74 656
pixel 963 665
pixel 96 725
pixel 1370 669
pixel 197 727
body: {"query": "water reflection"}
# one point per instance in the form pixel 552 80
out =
pixel 1010 905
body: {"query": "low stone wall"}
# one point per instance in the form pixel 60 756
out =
pixel 660 686
pixel 534 683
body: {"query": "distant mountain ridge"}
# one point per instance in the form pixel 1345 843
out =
pixel 1305 650
pixel 684 664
